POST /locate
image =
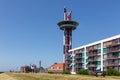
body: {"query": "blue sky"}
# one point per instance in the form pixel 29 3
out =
pixel 29 31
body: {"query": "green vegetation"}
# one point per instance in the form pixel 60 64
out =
pixel 38 76
pixel 112 72
pixel 66 72
pixel 83 72
pixel 109 72
pixel 51 72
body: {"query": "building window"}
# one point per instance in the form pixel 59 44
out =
pixel 83 54
pixel 58 67
pixel 104 50
pixel 52 67
pixel 99 50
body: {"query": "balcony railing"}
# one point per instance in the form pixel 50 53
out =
pixel 113 57
pixel 95 47
pixel 89 60
pixel 113 50
pixel 112 64
pixel 91 65
pixel 78 56
pixel 112 44
pixel 67 58
pixel 78 62
pixel 78 66
pixel 78 53
pixel 68 62
pixel 97 59
pixel 92 60
pixel 91 54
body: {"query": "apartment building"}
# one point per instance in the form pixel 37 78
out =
pixel 96 56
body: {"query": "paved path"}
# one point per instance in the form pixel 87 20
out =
pixel 4 76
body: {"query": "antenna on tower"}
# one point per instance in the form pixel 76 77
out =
pixel 65 10
pixel 67 15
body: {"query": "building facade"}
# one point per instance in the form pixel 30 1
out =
pixel 97 56
pixel 32 69
pixel 25 69
pixel 56 68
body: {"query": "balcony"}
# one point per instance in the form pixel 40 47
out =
pixel 68 59
pixel 98 59
pixel 79 62
pixel 78 53
pixel 91 65
pixel 78 56
pixel 112 50
pixel 91 54
pixel 93 49
pixel 113 57
pixel 78 66
pixel 92 60
pixel 112 64
pixel 67 62
pixel 112 44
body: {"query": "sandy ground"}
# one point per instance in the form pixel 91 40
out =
pixel 4 76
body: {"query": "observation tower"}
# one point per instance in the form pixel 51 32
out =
pixel 67 25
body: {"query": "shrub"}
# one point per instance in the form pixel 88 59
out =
pixel 66 72
pixel 51 72
pixel 112 72
pixel 83 72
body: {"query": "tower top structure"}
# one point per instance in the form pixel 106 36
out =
pixel 67 15
pixel 67 22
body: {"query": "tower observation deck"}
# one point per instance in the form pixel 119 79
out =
pixel 67 25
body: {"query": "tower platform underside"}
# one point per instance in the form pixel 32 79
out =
pixel 68 24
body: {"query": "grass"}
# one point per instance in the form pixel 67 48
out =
pixel 31 76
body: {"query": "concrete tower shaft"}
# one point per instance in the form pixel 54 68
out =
pixel 67 26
